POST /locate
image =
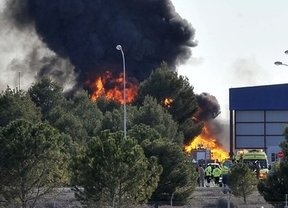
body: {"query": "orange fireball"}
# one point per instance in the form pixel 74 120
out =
pixel 167 102
pixel 112 88
pixel 206 141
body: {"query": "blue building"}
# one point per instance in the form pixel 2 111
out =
pixel 258 116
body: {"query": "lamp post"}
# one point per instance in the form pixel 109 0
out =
pixel 19 78
pixel 119 48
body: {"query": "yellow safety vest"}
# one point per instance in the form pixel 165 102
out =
pixel 208 171
pixel 216 172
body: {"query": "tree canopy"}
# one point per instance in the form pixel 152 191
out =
pixel 142 132
pixel 47 95
pixel 115 172
pixel 93 133
pixel 178 179
pixel 32 162
pixel 242 181
pixel 15 104
pixel 87 111
pixel 176 95
pixel 275 187
pixel 173 92
pixel 154 115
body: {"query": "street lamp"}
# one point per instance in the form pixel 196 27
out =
pixel 119 48
pixel 19 73
pixel 278 63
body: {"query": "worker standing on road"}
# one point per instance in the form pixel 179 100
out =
pixel 257 169
pixel 201 174
pixel 225 171
pixel 216 174
pixel 208 174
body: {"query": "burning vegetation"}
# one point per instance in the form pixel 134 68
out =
pixel 209 109
pixel 113 88
pixel 167 102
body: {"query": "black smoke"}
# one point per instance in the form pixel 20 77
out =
pixel 86 32
pixel 208 110
pixel 209 107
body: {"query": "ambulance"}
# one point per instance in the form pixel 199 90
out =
pixel 251 156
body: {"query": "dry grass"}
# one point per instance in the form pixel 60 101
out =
pixel 214 197
pixel 203 197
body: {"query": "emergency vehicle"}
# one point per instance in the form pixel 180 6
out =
pixel 251 156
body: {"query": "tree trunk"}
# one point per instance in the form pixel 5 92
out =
pixel 156 205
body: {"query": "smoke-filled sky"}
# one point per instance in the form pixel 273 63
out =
pixel 75 42
pixel 223 43
pixel 84 34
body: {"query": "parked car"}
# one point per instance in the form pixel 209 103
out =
pixel 214 165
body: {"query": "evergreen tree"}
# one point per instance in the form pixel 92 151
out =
pixel 71 125
pixel 47 95
pixel 154 115
pixel 173 92
pixel 176 95
pixel 15 104
pixel 87 112
pixel 142 132
pixel 113 120
pixel 32 162
pixel 275 187
pixel 114 171
pixel 178 179
pixel 242 181
pixel 105 104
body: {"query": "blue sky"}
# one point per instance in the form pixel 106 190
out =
pixel 239 41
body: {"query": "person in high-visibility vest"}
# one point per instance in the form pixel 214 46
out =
pixel 216 174
pixel 208 174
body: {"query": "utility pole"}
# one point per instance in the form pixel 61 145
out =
pixel 19 80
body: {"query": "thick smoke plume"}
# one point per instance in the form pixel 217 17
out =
pixel 86 33
pixel 208 110
pixel 209 107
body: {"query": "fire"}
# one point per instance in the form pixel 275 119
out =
pixel 167 102
pixel 112 88
pixel 218 153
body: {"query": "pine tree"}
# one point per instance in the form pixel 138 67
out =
pixel 176 95
pixel 114 172
pixel 33 162
pixel 275 187
pixel 242 181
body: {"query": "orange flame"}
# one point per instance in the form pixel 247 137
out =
pixel 167 102
pixel 218 153
pixel 112 88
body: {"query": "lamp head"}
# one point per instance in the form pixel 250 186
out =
pixel 278 63
pixel 119 47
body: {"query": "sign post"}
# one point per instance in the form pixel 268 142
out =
pixel 286 206
pixel 280 155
